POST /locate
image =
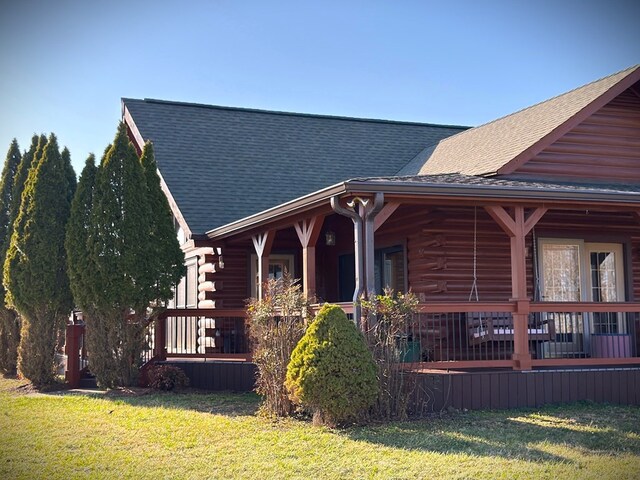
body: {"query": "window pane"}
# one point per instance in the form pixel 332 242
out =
pixel 561 273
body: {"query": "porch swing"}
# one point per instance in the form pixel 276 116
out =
pixel 486 327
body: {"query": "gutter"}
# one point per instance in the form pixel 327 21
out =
pixel 461 190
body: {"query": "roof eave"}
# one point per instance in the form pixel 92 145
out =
pixel 353 187
pixel 491 192
pixel 294 206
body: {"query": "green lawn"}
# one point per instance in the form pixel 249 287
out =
pixel 217 436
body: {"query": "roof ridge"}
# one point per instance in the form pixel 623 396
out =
pixel 629 70
pixel 293 114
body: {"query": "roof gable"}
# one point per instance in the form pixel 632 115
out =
pixel 221 164
pixel 605 146
pixel 501 146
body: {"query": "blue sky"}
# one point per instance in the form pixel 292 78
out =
pixel 66 64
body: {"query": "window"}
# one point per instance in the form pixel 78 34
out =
pixel 185 294
pixel 279 264
pixel 389 271
pixel 578 271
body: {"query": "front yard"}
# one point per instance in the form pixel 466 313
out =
pixel 199 435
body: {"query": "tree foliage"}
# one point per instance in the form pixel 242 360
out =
pixel 35 273
pixel 79 263
pixel 332 372
pixel 9 322
pixel 126 261
pixel 165 253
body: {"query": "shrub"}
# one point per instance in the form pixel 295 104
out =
pixel 390 317
pixel 276 324
pixel 167 377
pixel 332 373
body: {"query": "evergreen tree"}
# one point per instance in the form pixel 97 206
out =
pixel 72 181
pixel 20 178
pixel 35 272
pixel 121 282
pixel 78 260
pixel 166 255
pixel 9 322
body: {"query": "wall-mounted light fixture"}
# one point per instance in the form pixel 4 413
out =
pixel 329 238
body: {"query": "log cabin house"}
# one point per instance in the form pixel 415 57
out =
pixel 521 237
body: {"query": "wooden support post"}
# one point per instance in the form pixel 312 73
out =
pixel 517 227
pixel 308 233
pixel 263 242
pixel 369 213
pixel 72 351
pixel 160 338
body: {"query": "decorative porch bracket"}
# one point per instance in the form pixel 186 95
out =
pixel 517 227
pixel 384 214
pixel 262 242
pixel 308 232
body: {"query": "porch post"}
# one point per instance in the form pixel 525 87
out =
pixel 308 232
pixel 517 229
pixel 369 213
pixel 262 242
pixel 358 250
pixel 71 350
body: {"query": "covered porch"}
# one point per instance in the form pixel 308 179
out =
pixel 509 274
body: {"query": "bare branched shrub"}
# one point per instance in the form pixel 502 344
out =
pixel 276 324
pixel 387 335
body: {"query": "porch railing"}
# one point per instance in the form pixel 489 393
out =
pixel 480 334
pixel 197 333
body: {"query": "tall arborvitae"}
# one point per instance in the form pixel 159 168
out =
pixel 35 269
pixel 166 255
pixel 78 259
pixel 122 275
pixel 72 181
pixel 9 323
pixel 20 178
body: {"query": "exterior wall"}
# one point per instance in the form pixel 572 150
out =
pixel 440 244
pixel 233 280
pixel 440 252
pixel 606 146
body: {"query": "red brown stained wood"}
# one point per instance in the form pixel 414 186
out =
pixel 605 146
pixel 308 231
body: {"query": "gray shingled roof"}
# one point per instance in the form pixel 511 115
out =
pixel 222 164
pixel 485 149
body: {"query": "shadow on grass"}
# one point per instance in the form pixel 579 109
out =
pixel 525 434
pixel 219 403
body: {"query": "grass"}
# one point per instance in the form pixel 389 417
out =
pixel 198 435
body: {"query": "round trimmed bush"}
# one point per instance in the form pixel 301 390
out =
pixel 332 372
